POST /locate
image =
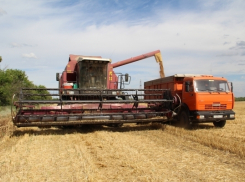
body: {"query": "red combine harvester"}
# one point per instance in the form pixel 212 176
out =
pixel 90 92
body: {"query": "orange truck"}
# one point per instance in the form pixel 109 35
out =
pixel 196 98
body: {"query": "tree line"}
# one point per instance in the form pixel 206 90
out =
pixel 12 80
pixel 240 99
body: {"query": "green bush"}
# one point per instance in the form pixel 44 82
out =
pixel 12 80
pixel 240 99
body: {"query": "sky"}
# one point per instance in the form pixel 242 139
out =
pixel 194 37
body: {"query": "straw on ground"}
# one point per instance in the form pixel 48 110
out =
pixel 131 153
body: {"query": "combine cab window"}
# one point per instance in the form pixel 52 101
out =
pixel 92 74
pixel 211 86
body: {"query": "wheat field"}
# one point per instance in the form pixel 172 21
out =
pixel 152 152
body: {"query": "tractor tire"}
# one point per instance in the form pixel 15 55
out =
pixel 184 120
pixel 220 124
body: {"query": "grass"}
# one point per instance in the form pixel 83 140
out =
pixel 5 110
pixel 6 126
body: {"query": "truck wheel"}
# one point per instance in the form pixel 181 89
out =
pixel 220 124
pixel 184 120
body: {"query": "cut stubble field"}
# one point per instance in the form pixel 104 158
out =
pixel 152 152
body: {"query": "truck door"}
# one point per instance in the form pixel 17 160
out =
pixel 188 95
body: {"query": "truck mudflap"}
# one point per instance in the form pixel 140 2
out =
pixel 88 107
pixel 212 116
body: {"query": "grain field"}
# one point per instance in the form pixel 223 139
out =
pixel 131 153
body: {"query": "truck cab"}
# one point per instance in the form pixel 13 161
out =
pixel 207 99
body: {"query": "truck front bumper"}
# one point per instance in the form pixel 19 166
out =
pixel 211 116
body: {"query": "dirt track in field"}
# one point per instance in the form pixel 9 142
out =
pixel 131 153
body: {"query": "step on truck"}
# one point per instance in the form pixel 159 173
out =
pixel 196 98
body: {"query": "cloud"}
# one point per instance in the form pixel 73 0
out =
pixel 15 45
pixel 226 43
pixel 28 45
pixel 30 55
pixel 241 62
pixel 241 44
pixel 229 54
pixel 2 12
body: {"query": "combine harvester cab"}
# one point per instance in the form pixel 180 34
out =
pixel 90 92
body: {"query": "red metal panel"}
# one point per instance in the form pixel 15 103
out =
pixel 133 59
pixel 76 57
pixel 112 79
pixel 70 67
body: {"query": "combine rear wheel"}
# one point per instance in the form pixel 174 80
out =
pixel 220 124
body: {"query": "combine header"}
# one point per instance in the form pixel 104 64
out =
pixel 90 92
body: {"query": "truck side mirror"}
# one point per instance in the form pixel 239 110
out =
pixel 187 86
pixel 126 77
pixel 57 76
pixel 231 87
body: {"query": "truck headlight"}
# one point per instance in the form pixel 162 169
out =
pixel 232 115
pixel 200 117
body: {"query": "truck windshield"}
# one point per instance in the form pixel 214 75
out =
pixel 211 85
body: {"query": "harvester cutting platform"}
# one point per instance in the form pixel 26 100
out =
pixel 90 92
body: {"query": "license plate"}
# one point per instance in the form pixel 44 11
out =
pixel 218 116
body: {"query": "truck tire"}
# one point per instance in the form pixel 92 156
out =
pixel 184 120
pixel 220 124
